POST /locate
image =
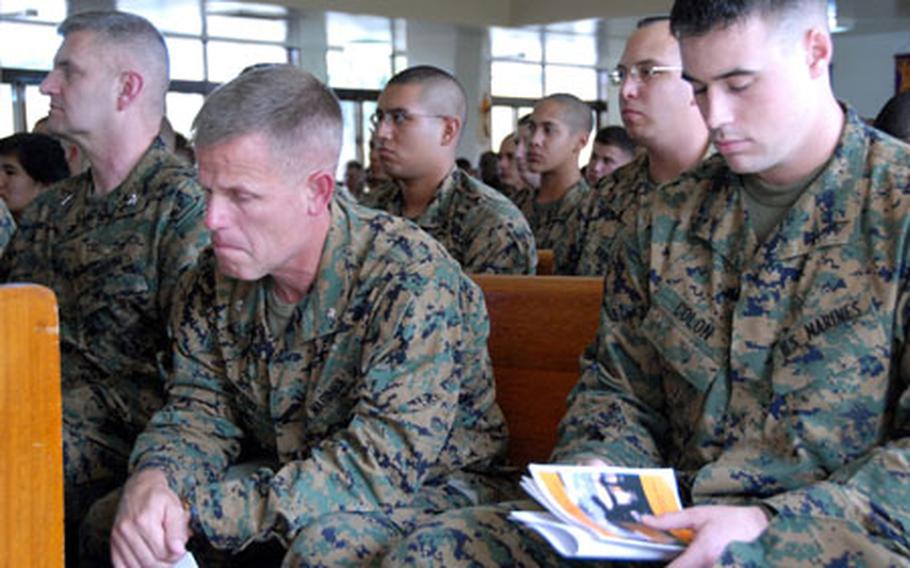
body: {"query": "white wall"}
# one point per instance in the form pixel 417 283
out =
pixel 462 51
pixel 863 71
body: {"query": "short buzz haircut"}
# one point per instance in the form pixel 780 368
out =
pixel 444 88
pixel 616 136
pixel 894 118
pixel 134 34
pixel 698 17
pixel 574 111
pixel 299 115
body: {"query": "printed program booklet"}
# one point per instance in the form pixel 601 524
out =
pixel 595 512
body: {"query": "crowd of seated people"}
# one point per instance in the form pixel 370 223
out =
pixel 263 364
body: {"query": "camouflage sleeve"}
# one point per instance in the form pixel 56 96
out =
pixel 24 246
pixel 194 437
pixel 615 409
pixel 7 227
pixel 568 254
pixel 183 237
pixel 409 393
pixel 502 245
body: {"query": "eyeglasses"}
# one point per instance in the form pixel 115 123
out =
pixel 642 72
pixel 398 117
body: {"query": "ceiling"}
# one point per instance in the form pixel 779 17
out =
pixel 860 16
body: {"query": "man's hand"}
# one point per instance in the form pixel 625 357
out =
pixel 151 528
pixel 715 527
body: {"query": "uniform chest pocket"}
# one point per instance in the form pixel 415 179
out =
pixel 688 340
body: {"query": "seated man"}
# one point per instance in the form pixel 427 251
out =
pixel 612 149
pixel 354 178
pixel 419 120
pixel 754 326
pixel 559 129
pixel 659 113
pixel 110 242
pixel 510 182
pixel 338 351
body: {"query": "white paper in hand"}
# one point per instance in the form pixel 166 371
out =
pixel 188 561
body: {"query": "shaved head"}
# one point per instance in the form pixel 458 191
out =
pixel 441 93
pixel 573 111
pixel 133 43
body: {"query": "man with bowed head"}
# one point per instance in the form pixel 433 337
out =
pixel 329 382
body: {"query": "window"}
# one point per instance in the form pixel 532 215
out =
pixel 181 17
pixel 6 103
pixel 228 59
pixel 28 45
pixel 536 61
pixel 363 51
pixel 182 109
pixel 213 41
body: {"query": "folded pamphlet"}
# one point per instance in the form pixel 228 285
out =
pixel 595 512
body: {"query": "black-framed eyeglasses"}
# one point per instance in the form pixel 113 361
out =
pixel 642 72
pixel 398 117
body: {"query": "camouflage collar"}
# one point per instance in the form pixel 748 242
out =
pixel 325 303
pixel 124 199
pixel 822 216
pixel 437 212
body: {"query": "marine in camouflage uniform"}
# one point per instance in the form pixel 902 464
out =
pixel 605 210
pixel 370 402
pixel 555 223
pixel 766 373
pixel 480 227
pixel 7 226
pixel 113 263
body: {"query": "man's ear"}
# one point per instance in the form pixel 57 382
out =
pixel 321 186
pixel 580 143
pixel 451 130
pixel 819 51
pixel 131 84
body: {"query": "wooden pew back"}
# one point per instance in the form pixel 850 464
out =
pixel 539 327
pixel 546 262
pixel 31 451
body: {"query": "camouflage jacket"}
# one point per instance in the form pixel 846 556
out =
pixel 763 372
pixel 379 390
pixel 7 226
pixel 554 223
pixel 515 194
pixel 113 263
pixel 480 227
pixel 604 211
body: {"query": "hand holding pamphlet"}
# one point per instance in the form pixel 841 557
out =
pixel 595 512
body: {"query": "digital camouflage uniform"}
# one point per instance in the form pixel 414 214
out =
pixel 604 211
pixel 480 227
pixel 555 223
pixel 767 373
pixel 7 226
pixel 113 263
pixel 372 410
pixel 515 194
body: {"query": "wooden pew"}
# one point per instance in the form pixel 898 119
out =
pixel 546 262
pixel 539 326
pixel 31 451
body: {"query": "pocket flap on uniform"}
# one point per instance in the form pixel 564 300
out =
pixel 685 338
